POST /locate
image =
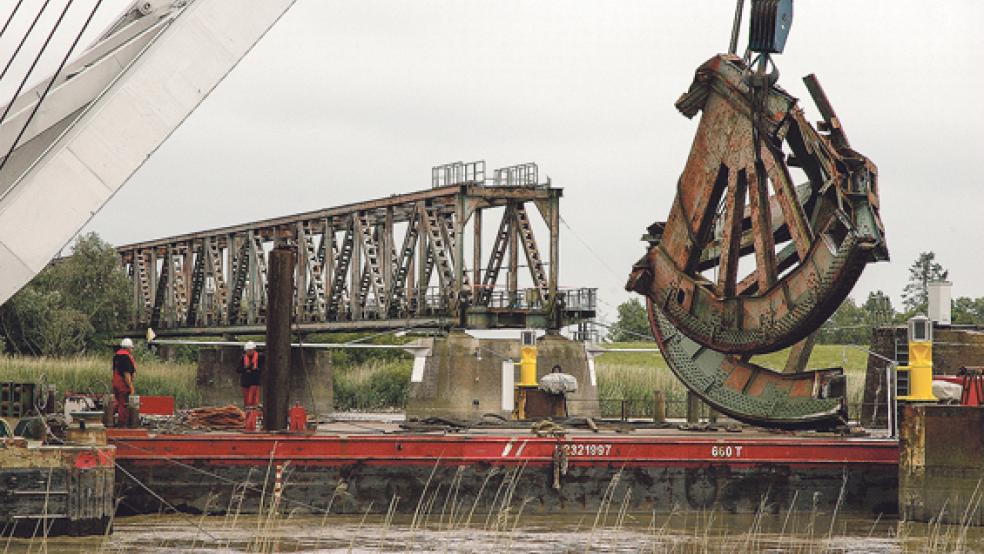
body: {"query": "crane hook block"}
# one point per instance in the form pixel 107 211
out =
pixel 770 23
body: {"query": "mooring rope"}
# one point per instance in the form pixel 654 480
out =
pixel 164 501
pixel 215 476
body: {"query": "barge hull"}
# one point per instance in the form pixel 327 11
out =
pixel 56 490
pixel 218 473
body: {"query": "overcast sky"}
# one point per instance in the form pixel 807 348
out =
pixel 350 100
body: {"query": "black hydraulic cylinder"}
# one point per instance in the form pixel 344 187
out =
pixel 276 374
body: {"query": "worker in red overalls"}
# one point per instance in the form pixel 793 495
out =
pixel 123 369
pixel 249 380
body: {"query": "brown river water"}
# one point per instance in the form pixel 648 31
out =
pixel 612 532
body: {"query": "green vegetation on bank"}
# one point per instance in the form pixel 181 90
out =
pixel 92 374
pixel 365 382
pixel 372 385
pixel 76 305
pixel 634 376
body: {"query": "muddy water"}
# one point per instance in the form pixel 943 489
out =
pixel 711 532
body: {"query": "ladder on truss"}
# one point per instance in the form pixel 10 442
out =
pixel 533 259
pixel 197 285
pixel 341 270
pixel 372 277
pixel 240 271
pixel 439 248
pixel 398 286
pixel 491 274
pixel 315 303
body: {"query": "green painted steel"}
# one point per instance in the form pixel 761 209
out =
pixel 793 400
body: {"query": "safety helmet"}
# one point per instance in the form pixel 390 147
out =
pixel 126 343
pixel 250 345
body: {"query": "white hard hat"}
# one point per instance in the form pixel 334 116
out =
pixel 250 345
pixel 126 343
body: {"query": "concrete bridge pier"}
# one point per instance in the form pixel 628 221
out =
pixel 465 377
pixel 310 378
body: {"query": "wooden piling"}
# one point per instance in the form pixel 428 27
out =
pixel 659 406
pixel 693 407
pixel 276 374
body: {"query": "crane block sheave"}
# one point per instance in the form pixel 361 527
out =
pixel 762 191
pixel 105 113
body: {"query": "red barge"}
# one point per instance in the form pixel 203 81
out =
pixel 345 469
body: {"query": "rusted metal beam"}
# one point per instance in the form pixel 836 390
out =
pixel 825 231
pixel 832 223
pixel 731 236
pixel 348 267
pixel 496 196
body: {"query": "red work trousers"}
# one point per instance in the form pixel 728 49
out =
pixel 251 396
pixel 121 393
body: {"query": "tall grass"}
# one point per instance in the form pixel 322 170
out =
pixel 633 377
pixel 90 374
pixel 381 383
pixel 372 385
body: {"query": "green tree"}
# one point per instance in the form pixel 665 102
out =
pixel 75 304
pixel 632 324
pixel 968 311
pixel 923 271
pixel 848 325
pixel 878 309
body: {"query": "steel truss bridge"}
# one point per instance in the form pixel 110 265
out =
pixel 388 263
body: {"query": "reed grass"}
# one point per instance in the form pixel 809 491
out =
pixel 693 531
pixel 372 385
pixel 633 377
pixel 381 384
pixel 91 374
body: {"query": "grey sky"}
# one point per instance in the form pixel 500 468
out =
pixel 350 100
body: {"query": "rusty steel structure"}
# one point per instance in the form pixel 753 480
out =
pixel 388 263
pixel 802 245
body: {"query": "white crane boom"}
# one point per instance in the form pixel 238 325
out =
pixel 106 113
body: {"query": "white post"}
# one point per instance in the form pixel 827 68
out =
pixel 508 385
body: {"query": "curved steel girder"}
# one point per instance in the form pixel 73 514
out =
pixel 793 308
pixel 748 392
pixel 834 229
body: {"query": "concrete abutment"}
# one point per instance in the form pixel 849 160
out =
pixel 310 378
pixel 466 377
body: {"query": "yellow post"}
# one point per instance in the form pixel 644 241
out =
pixel 527 371
pixel 527 366
pixel 920 366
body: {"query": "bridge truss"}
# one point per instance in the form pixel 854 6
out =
pixel 388 263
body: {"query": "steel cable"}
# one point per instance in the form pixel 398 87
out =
pixel 36 58
pixel 23 39
pixel 11 17
pixel 51 81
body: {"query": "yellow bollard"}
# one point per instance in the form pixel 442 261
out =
pixel 527 372
pixel 527 367
pixel 920 366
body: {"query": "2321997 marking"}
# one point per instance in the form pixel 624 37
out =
pixel 586 449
